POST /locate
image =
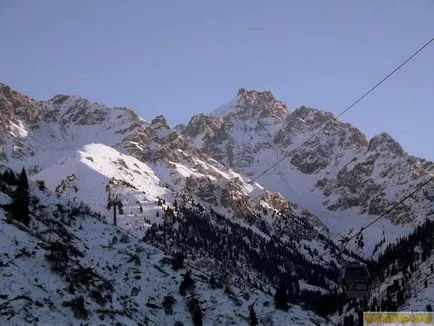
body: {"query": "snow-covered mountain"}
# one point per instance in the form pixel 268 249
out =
pixel 86 152
pixel 339 175
pixel 69 267
pixel 189 190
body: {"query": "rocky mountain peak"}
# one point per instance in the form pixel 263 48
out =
pixel 253 95
pixel 307 119
pixel 252 104
pixel 160 127
pixel 69 109
pixel 15 105
pixel 202 124
pixel 160 121
pixel 384 143
pixel 66 101
pixel 311 117
pixel 262 104
pixel 59 99
pixel 180 127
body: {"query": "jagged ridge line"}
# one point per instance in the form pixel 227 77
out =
pixel 346 110
pixel 394 205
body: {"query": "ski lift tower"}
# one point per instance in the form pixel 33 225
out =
pixel 116 202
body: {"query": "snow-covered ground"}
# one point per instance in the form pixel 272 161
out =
pixel 261 145
pixel 33 293
pixel 85 151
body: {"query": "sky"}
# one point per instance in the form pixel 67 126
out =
pixel 181 58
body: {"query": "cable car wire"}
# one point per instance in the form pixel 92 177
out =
pixel 394 205
pixel 321 129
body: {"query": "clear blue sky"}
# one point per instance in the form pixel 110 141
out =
pixel 180 58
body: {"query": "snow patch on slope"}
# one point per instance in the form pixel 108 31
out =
pixel 92 167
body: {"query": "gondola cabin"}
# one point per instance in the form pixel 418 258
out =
pixel 355 281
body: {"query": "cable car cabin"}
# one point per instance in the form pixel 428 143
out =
pixel 355 281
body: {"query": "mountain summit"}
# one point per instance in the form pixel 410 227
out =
pixel 338 173
pixel 188 193
pixel 253 104
pixel 254 130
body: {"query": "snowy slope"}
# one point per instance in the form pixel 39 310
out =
pixel 91 169
pixel 421 295
pixel 339 182
pixel 131 276
pixel 339 175
pixel 85 150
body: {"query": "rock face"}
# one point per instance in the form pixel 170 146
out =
pixel 339 167
pixel 386 145
pixel 260 104
pixel 14 105
pixel 188 190
pixel 109 157
pixel 337 171
pixel 62 136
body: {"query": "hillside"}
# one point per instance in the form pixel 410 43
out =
pixel 186 194
pixel 339 175
pixel 69 266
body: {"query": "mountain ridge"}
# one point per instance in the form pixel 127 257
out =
pixel 199 177
pixel 83 129
pixel 337 158
pixel 228 135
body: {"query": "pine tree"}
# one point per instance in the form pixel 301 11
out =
pixel 281 296
pixel 400 297
pixel 20 205
pixel 186 284
pixel 253 320
pixel 168 304
pixel 41 185
pixel 195 311
pixel 9 177
pixel 178 260
pixel 197 317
